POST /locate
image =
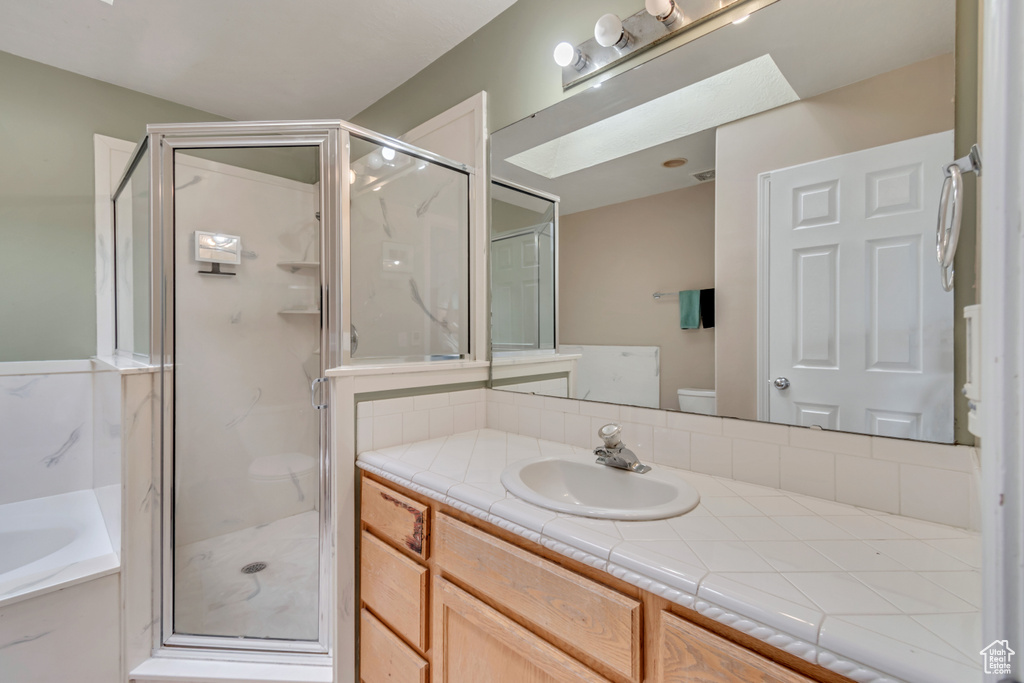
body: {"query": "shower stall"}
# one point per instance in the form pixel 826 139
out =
pixel 249 259
pixel 524 259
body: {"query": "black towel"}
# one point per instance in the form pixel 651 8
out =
pixel 707 307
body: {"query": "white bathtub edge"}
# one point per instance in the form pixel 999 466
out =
pixel 80 572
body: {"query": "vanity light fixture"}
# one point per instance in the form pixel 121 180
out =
pixel 608 32
pixel 616 39
pixel 665 11
pixel 566 55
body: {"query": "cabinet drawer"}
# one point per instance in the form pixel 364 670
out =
pixel 691 653
pixel 396 518
pixel 395 589
pixel 585 615
pixel 384 658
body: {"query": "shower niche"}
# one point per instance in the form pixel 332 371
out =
pixel 249 259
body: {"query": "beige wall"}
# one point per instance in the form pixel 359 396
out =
pixel 614 258
pixel 909 102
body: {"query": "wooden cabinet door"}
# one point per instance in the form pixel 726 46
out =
pixel 691 654
pixel 384 658
pixel 575 611
pixel 473 643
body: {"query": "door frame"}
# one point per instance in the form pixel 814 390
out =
pixel 764 184
pixel 164 142
pixel 1002 340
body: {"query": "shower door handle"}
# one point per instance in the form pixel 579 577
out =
pixel 312 393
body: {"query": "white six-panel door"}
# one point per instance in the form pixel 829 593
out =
pixel 858 322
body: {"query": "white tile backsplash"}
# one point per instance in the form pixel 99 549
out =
pixel 711 454
pixel 809 472
pixel 755 462
pixel 873 484
pixel 932 482
pixel 408 419
pixel 875 473
pixel 935 494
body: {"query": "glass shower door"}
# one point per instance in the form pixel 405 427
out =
pixel 523 262
pixel 247 332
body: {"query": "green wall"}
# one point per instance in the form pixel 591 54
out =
pixel 510 58
pixel 47 252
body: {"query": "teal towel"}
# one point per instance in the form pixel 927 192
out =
pixel 689 309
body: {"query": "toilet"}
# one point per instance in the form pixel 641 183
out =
pixel 697 401
pixel 284 484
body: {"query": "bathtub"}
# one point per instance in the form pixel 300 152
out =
pixel 50 543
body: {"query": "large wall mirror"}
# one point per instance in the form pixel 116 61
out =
pixel 745 224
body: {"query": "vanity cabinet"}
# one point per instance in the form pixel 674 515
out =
pixel 687 652
pixel 474 643
pixel 451 599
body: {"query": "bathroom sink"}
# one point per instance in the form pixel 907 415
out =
pixel 592 490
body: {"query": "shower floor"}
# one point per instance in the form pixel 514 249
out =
pixel 214 597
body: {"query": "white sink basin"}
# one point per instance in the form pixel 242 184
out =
pixel 592 490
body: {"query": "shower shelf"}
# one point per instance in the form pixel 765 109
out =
pixel 295 266
pixel 299 311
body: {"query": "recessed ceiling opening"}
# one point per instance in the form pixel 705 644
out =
pixel 744 90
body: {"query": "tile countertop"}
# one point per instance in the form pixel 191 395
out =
pixel 873 596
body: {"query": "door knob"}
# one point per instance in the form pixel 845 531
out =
pixel 781 383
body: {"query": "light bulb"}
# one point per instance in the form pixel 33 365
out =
pixel 351 176
pixel 608 31
pixel 387 153
pixel 665 11
pixel 375 160
pixel 658 8
pixel 564 54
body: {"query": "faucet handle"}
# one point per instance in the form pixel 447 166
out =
pixel 610 435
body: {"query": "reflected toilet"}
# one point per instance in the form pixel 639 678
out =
pixel 697 401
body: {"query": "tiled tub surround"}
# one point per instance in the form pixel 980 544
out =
pixel 871 595
pixel 928 481
pixel 46 429
pixel 60 493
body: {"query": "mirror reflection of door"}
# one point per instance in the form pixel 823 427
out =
pixel 860 329
pixel 850 76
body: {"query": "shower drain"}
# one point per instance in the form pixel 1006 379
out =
pixel 254 567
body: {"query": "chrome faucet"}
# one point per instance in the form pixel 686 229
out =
pixel 614 454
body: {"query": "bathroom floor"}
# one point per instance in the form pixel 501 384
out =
pixel 213 596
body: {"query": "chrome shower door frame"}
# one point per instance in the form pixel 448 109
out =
pixel 164 140
pixel 556 200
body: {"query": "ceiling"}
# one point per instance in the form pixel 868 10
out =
pixel 246 59
pixel 818 45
